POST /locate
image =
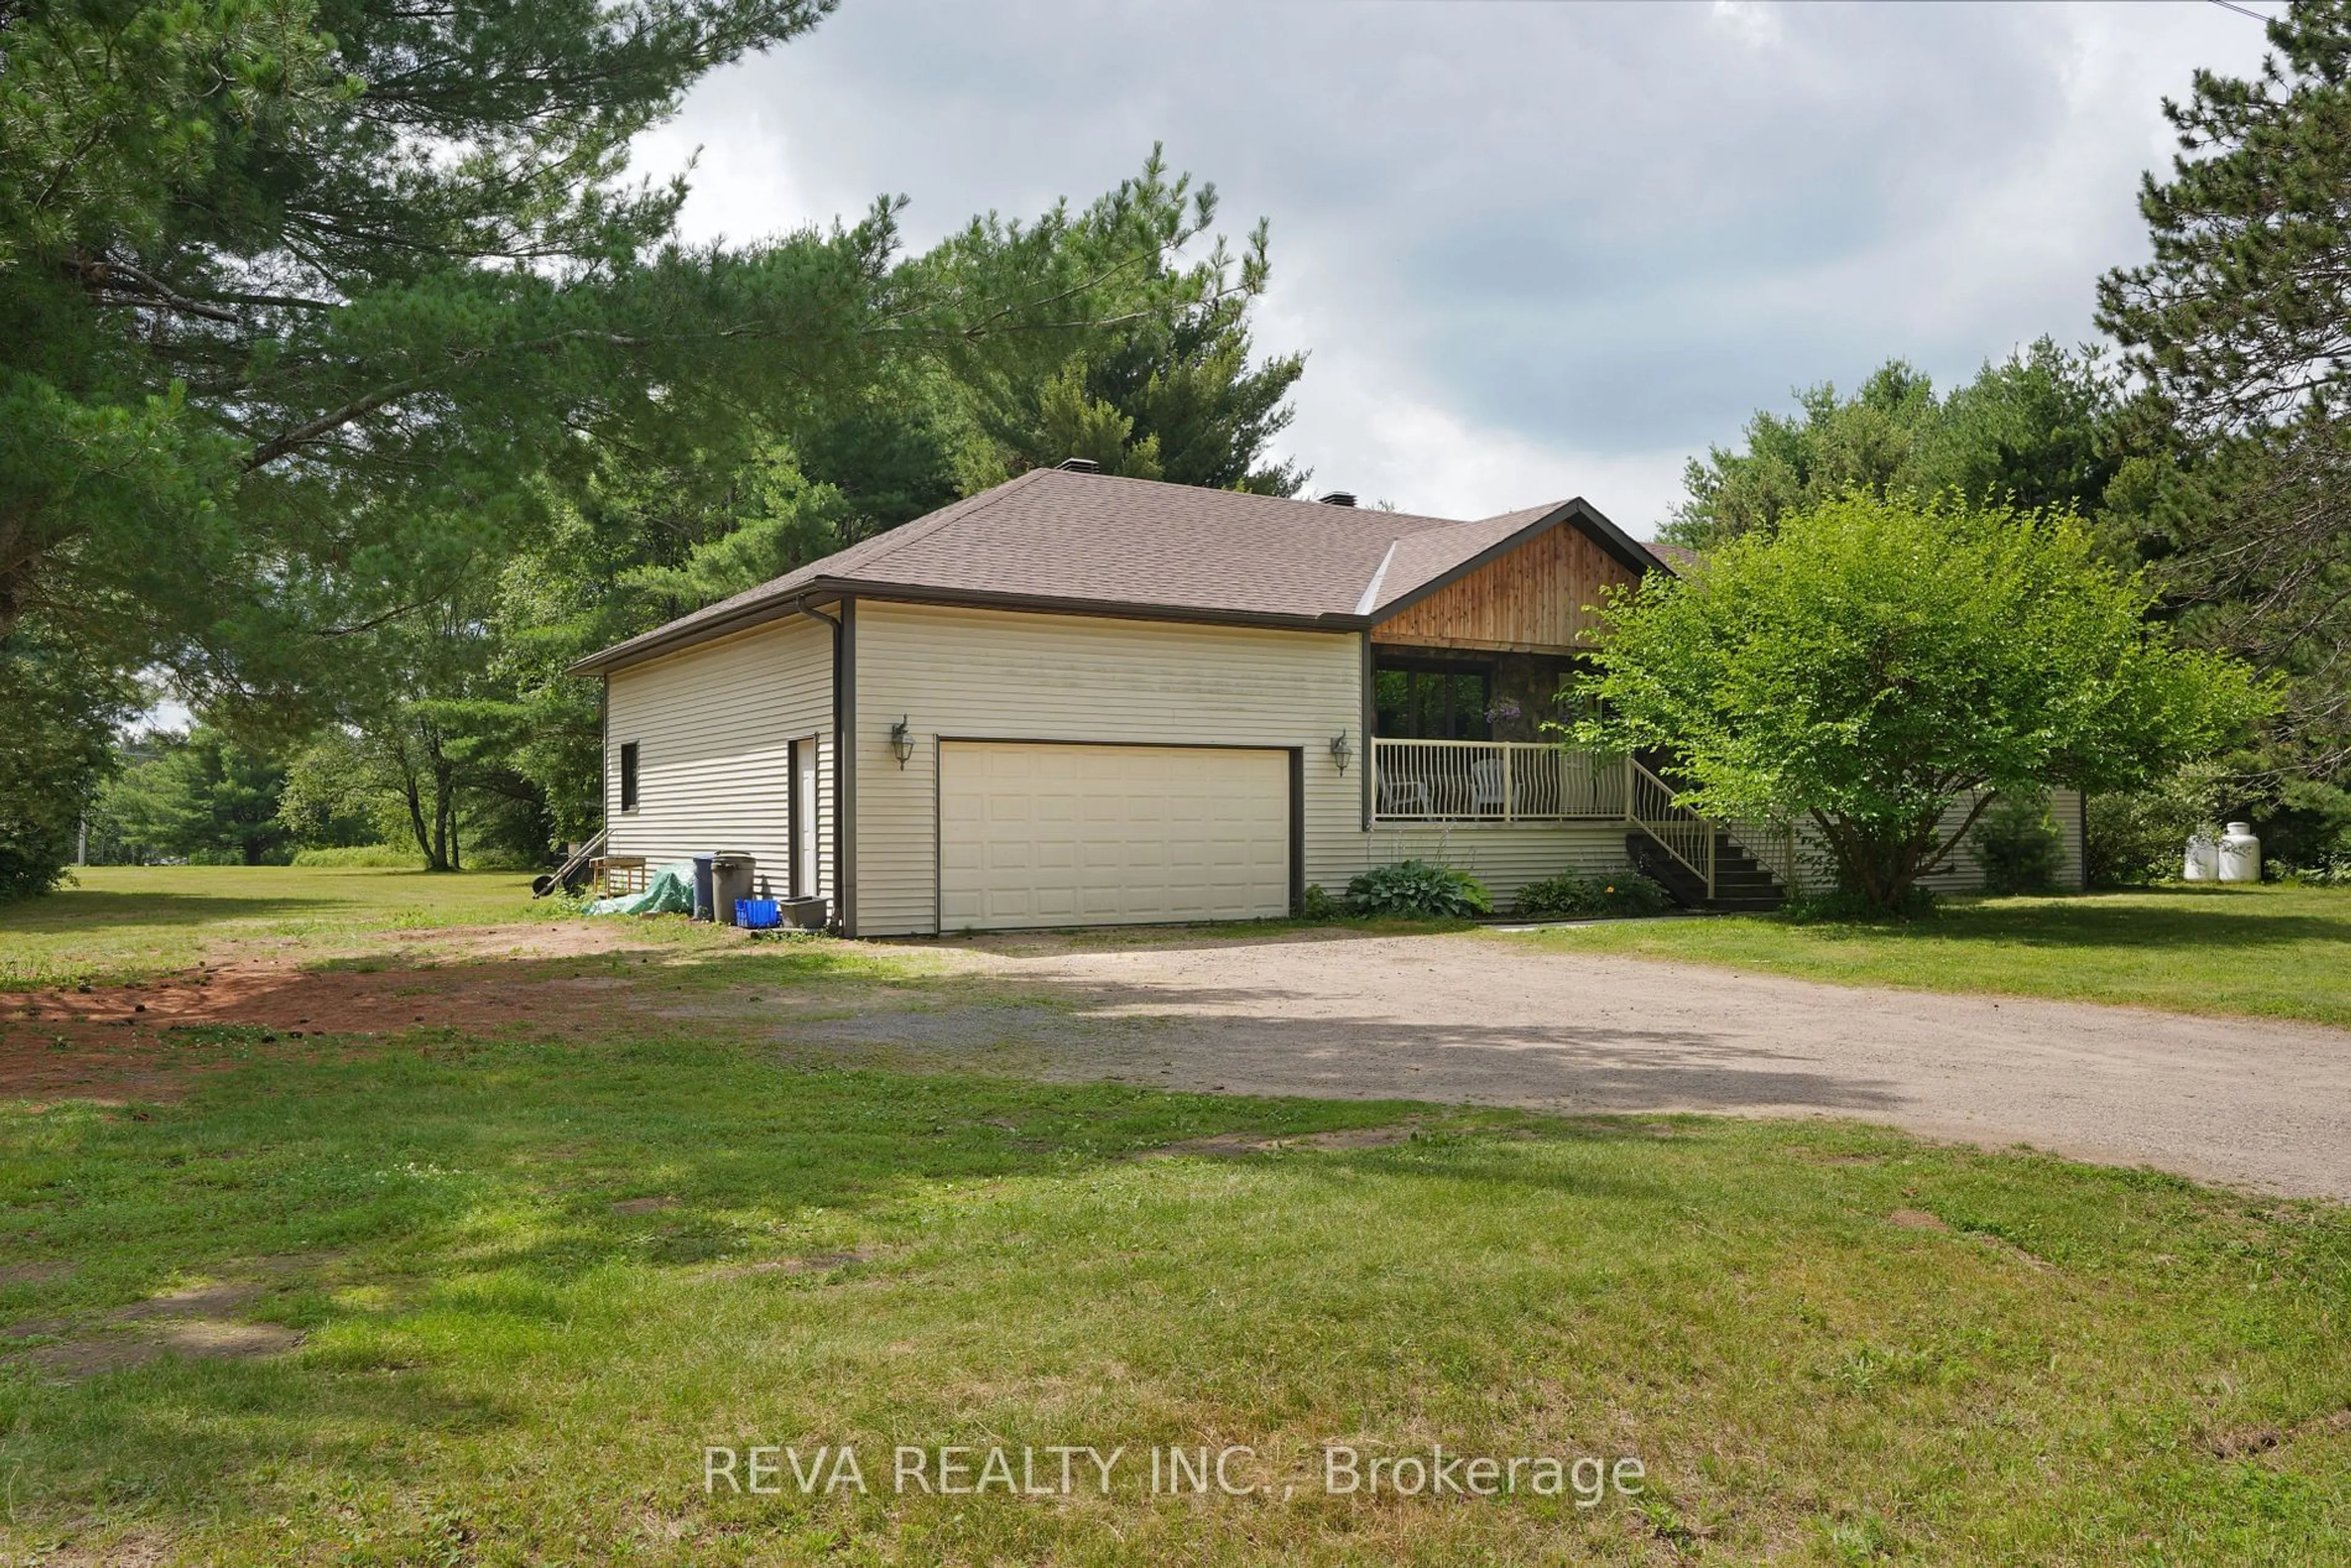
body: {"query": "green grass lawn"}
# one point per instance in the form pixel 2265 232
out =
pixel 120 923
pixel 501 1367
pixel 537 1277
pixel 2276 951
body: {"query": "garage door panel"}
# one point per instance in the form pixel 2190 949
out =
pixel 1063 834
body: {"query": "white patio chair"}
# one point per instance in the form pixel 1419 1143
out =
pixel 1486 787
pixel 1403 798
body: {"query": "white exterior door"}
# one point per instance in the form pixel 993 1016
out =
pixel 1034 834
pixel 804 784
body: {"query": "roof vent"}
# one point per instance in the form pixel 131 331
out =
pixel 1338 498
pixel 1078 465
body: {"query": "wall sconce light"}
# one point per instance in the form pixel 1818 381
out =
pixel 1340 750
pixel 901 743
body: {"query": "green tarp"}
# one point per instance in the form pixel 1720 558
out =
pixel 669 891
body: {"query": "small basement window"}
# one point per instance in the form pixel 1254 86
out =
pixel 628 776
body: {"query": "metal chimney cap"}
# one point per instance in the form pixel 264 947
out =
pixel 1078 465
pixel 1337 498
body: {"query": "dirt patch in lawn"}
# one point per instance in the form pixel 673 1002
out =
pixel 1234 1143
pixel 146 1039
pixel 2245 1441
pixel 814 1263
pixel 203 1322
pixel 118 1552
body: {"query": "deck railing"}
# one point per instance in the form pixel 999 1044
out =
pixel 1523 781
pixel 1776 847
pixel 1492 781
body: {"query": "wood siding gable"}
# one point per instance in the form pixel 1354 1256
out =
pixel 1532 600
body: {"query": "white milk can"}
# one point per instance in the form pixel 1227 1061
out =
pixel 2203 862
pixel 2241 854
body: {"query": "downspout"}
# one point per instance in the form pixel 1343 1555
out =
pixel 1369 711
pixel 840 756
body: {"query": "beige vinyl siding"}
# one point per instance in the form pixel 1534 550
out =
pixel 1505 856
pixel 987 675
pixel 713 727
pixel 1963 875
pixel 1960 874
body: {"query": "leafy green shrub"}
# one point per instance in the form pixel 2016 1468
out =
pixel 1416 890
pixel 2133 840
pixel 363 856
pixel 2017 845
pixel 213 854
pixel 1315 903
pixel 1573 895
pixel 2308 824
pixel 2329 871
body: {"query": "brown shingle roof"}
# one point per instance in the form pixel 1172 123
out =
pixel 1678 558
pixel 1089 540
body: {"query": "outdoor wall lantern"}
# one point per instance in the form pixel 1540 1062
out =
pixel 1340 750
pixel 901 743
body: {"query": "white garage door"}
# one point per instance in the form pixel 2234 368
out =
pixel 1096 835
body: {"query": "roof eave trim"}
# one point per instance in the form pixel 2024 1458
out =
pixel 1115 609
pixel 670 639
pixel 654 646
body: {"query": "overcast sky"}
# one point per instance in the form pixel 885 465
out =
pixel 1534 250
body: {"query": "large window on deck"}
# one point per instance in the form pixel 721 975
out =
pixel 1427 700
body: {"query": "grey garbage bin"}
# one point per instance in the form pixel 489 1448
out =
pixel 702 908
pixel 730 879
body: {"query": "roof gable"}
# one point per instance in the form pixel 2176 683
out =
pixel 1540 594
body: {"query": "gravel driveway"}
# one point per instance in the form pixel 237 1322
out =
pixel 1490 1020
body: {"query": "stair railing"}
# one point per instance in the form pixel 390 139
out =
pixel 1773 845
pixel 1678 831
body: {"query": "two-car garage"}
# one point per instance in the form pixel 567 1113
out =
pixel 1047 833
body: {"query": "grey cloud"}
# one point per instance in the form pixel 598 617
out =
pixel 1589 229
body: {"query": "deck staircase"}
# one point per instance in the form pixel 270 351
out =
pixel 1741 884
pixel 1693 859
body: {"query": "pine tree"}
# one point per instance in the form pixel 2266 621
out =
pixel 1165 388
pixel 2241 325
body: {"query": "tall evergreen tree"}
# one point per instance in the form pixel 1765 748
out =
pixel 199 796
pixel 1167 389
pixel 2241 327
pixel 297 294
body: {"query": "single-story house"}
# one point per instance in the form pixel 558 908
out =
pixel 1076 699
